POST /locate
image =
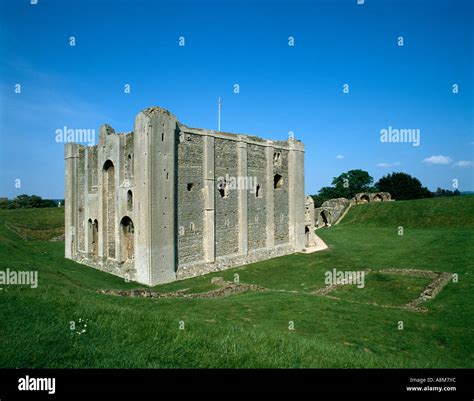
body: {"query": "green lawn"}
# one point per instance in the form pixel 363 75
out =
pixel 252 329
pixel 384 289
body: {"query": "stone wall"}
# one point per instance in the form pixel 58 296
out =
pixel 190 199
pixel 367 197
pixel 310 239
pixel 257 198
pixel 330 212
pixel 226 199
pixel 280 196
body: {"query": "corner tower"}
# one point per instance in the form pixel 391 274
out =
pixel 155 195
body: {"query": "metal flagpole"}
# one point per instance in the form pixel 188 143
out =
pixel 219 114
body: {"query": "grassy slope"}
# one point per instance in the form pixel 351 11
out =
pixel 432 213
pixel 251 330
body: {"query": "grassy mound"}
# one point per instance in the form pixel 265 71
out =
pixel 32 224
pixel 422 213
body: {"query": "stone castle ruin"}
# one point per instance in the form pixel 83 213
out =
pixel 332 210
pixel 166 201
pixel 367 197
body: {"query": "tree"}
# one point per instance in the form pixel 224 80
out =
pixel 446 192
pixel 22 201
pixel 35 201
pixel 351 183
pixel 403 186
pixel 318 200
pixel 346 186
pixel 48 203
pixel 330 193
pixel 27 201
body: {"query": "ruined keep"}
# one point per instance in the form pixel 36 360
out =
pixel 166 201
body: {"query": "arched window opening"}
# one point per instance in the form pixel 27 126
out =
pixel 277 181
pixel 129 166
pixel 127 239
pixel 108 187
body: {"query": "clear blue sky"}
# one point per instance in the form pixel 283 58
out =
pixel 282 88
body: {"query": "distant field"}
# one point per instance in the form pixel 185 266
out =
pixel 358 329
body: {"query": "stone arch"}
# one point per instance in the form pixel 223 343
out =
pixel 108 204
pixel 307 236
pixel 89 235
pixel 95 239
pixel 377 198
pixel 386 196
pixel 127 239
pixel 325 217
pixel 93 235
pixel 364 199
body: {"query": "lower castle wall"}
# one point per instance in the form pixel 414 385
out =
pixel 229 261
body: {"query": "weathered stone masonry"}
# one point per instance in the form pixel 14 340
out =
pixel 157 204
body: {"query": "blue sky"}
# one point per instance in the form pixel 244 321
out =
pixel 282 88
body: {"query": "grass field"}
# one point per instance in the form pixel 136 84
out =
pixel 359 329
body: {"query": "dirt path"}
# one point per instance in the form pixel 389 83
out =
pixel 343 214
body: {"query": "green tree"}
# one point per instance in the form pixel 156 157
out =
pixel 350 183
pixel 22 201
pixel 27 201
pixel 403 186
pixel 446 192
pixel 330 193
pixel 318 200
pixel 346 186
pixel 35 201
